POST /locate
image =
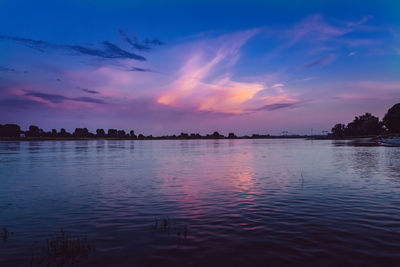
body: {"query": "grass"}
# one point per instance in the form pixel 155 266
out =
pixel 60 250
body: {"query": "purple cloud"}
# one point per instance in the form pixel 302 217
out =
pixel 322 61
pixel 56 98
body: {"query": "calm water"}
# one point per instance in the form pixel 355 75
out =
pixel 243 202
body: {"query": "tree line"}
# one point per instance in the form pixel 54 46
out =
pixel 14 131
pixel 363 125
pixel 368 124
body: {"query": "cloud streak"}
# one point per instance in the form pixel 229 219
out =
pixel 108 50
pixel 319 62
pixel 139 69
pixel 56 98
pixel 134 43
pixel 277 106
pixel 6 69
pixel 90 91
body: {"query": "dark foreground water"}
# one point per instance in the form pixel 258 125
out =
pixel 239 202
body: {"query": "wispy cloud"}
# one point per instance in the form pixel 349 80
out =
pixel 154 41
pixel 146 45
pixel 6 69
pixel 56 98
pixel 197 88
pixel 89 91
pixel 139 69
pixel 316 28
pixel 321 61
pixel 359 22
pixel 134 42
pixel 12 70
pixel 107 50
pixel 276 106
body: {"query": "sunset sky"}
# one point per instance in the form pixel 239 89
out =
pixel 197 66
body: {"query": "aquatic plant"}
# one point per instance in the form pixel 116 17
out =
pixel 60 250
pixel 5 234
pixel 166 225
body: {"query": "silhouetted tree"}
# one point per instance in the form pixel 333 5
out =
pixel 10 130
pixel 140 136
pixel 64 133
pixel 364 125
pixel 132 134
pixel 338 130
pixel 112 133
pixel 81 132
pixel 100 133
pixel 121 134
pixel 392 119
pixel 184 136
pixel 54 133
pixel 231 135
pixel 34 131
pixel 216 135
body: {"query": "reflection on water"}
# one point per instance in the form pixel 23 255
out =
pixel 277 202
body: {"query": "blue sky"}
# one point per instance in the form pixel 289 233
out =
pixel 198 66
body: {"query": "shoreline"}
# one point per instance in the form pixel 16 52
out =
pixel 370 138
pixel 148 138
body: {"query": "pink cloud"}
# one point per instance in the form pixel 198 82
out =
pixel 196 88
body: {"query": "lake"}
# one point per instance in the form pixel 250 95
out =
pixel 202 202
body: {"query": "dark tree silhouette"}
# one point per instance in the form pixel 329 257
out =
pixel 366 124
pixel 184 136
pixel 10 130
pixel 64 133
pixel 54 133
pixel 338 130
pixel 231 136
pixel 121 134
pixel 392 119
pixel 34 131
pixel 81 132
pixel 100 133
pixel 132 134
pixel 216 135
pixel 112 133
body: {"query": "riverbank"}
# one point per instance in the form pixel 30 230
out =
pixel 152 138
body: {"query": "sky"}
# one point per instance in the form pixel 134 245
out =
pixel 165 67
